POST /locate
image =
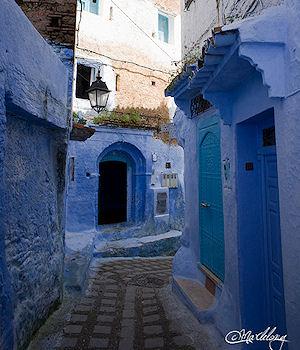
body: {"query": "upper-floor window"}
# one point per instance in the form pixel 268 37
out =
pixel 163 28
pixel 83 80
pixel 92 6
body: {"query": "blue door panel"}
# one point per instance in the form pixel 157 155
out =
pixel 273 243
pixel 211 201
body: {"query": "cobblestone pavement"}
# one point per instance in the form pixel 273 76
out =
pixel 121 309
pixel 128 305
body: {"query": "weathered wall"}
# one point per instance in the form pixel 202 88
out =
pixel 6 312
pixel 54 19
pixel 82 205
pixel 32 222
pixel 202 17
pixel 33 121
pixel 241 101
pixel 137 59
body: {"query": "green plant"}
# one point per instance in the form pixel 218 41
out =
pixel 117 117
pixel 78 119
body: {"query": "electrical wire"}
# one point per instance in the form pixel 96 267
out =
pixel 118 60
pixel 141 29
pixel 126 69
pixel 123 61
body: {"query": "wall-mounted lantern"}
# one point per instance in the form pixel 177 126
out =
pixel 98 94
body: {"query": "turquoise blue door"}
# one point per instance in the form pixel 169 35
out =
pixel 272 239
pixel 211 201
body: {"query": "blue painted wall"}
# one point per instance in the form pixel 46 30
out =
pixel 241 102
pixel 82 198
pixel 34 111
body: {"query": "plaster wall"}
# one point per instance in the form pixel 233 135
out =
pixel 202 17
pixel 142 62
pixel 33 122
pixel 250 99
pixel 6 309
pixel 286 123
pixel 55 21
pixel 246 96
pixel 82 199
pixel 225 313
pixel 119 38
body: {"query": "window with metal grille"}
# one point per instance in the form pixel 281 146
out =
pixel 199 105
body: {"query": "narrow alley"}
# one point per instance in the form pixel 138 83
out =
pixel 128 304
pixel 149 175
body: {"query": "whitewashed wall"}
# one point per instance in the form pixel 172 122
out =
pixel 120 38
pixel 202 16
pixel 112 38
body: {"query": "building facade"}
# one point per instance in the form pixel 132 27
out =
pixel 126 176
pixel 34 117
pixel 55 21
pixel 135 45
pixel 238 122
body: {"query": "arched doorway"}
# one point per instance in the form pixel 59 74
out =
pixel 122 184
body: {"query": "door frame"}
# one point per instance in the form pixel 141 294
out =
pixel 252 230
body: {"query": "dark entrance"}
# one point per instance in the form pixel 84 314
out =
pixel 112 192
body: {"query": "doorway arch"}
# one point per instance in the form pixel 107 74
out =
pixel 122 184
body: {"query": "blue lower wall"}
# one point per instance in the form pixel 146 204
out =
pixel 33 200
pixel 82 197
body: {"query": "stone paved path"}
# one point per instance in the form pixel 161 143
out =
pixel 121 309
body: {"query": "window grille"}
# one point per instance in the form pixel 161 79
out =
pixel 199 105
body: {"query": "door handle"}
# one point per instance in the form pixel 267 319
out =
pixel 205 205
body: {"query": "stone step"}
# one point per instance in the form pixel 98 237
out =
pixel 196 297
pixel 165 244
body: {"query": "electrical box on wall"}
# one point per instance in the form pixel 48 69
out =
pixel 170 180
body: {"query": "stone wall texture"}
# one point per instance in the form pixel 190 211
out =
pixel 54 19
pixel 34 116
pixel 33 229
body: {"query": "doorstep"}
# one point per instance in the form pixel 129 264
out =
pixel 196 297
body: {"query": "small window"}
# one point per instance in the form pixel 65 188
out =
pixel 269 138
pixel 83 80
pixel 92 6
pixel 163 28
pixel 111 13
pixel 153 83
pixel 55 22
pixel 117 82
